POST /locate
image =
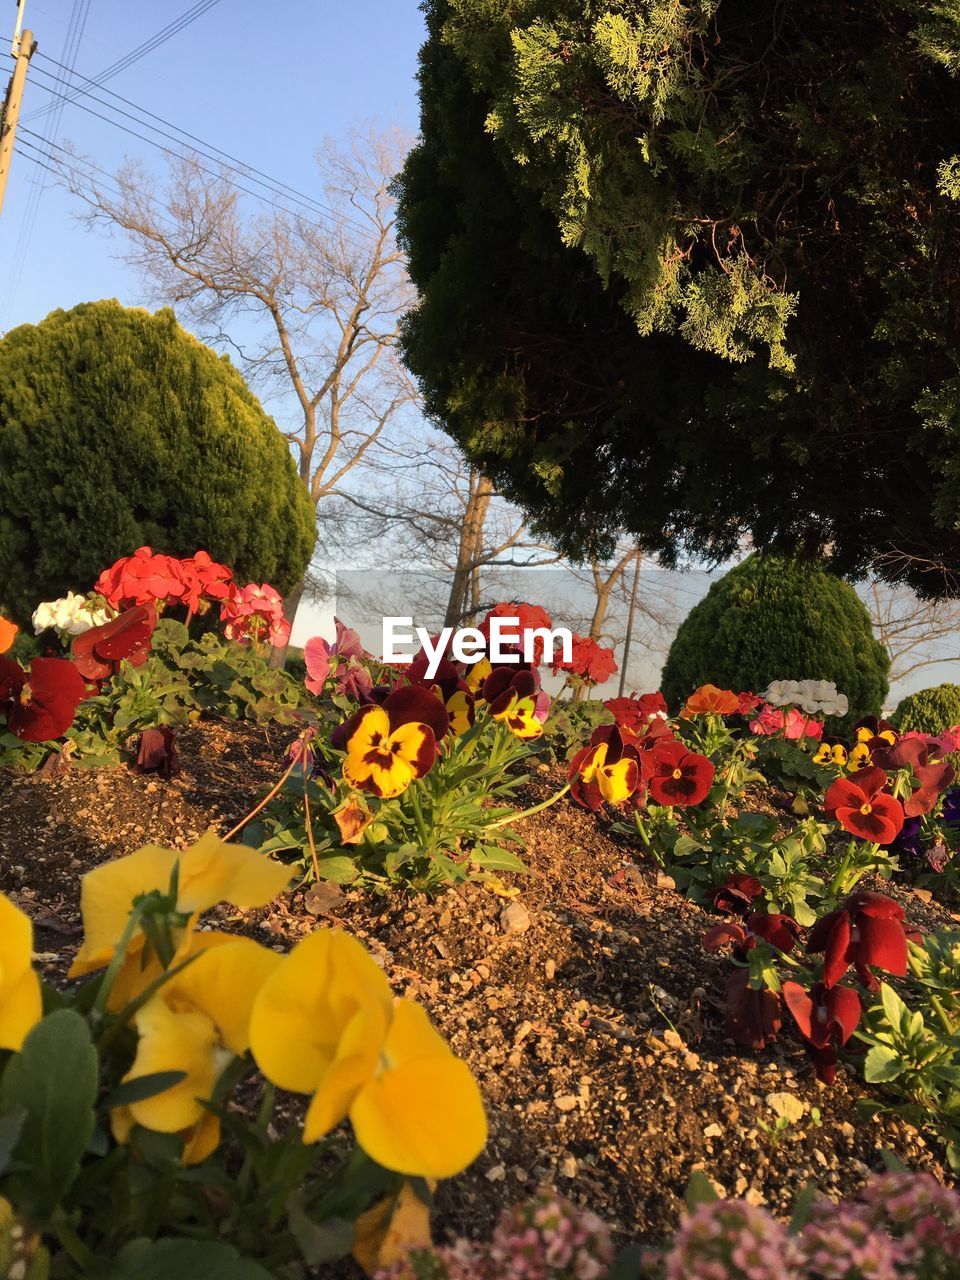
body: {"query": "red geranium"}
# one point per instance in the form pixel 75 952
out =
pixel 827 1018
pixel 146 577
pixel 40 704
pixel 530 617
pixel 675 775
pixel 863 808
pixel 204 581
pixel 98 652
pixel 866 930
pixel 592 662
pixel 636 713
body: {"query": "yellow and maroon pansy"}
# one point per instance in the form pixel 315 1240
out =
pixel 606 770
pixel 389 746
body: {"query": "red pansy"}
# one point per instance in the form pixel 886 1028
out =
pixel 866 930
pixel 39 704
pixel 754 1014
pixel 863 808
pixel 736 894
pixel 675 775
pixel 98 652
pixel 157 752
pixel 827 1018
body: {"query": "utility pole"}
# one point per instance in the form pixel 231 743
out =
pixel 22 49
pixel 630 621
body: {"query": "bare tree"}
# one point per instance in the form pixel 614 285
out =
pixel 916 633
pixel 310 302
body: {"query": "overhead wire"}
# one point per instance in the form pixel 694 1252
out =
pixel 71 47
pixel 147 46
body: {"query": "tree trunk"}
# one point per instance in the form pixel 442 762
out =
pixel 469 548
pixel 279 656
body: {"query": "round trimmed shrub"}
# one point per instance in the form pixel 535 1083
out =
pixel 929 710
pixel 774 618
pixel 119 429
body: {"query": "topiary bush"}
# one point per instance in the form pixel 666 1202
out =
pixel 929 710
pixel 119 429
pixel 776 618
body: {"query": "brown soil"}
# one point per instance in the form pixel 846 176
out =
pixel 595 1028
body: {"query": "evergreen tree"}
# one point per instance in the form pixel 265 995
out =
pixel 688 269
pixel 118 429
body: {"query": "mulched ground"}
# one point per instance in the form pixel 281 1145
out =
pixel 588 1012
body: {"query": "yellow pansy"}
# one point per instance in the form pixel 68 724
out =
pixel 859 757
pixel 520 717
pixel 385 759
pixel 20 1002
pixel 210 871
pixel 460 709
pixel 196 1023
pixel 325 1024
pixel 477 674
pixel 831 753
pixel 617 779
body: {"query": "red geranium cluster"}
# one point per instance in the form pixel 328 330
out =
pixel 792 723
pixel 255 613
pixel 149 577
pixel 531 618
pixel 591 662
pixel 640 713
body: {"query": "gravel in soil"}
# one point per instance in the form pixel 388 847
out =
pixel 585 1005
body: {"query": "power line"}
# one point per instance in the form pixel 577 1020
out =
pixel 220 176
pixel 71 47
pixel 148 46
pixel 207 149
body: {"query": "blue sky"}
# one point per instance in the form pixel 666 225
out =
pixel 263 81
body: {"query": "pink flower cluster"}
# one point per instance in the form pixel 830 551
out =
pixel 255 613
pixel 792 723
pixel 547 1238
pixel 731 1240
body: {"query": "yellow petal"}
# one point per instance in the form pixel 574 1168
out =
pixel 222 983
pixel 306 1004
pixel 202 1140
pixel 390 1229
pixel 386 776
pixel 460 711
pixel 478 673
pixel 423 1118
pixel 372 728
pixel 106 900
pixel 617 782
pixel 212 871
pixel 141 967
pixel 414 743
pixel 175 1041
pixel 412 1035
pixel 21 1007
pixel 354 1064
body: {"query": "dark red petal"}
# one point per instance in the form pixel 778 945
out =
pixel 882 943
pixel 56 690
pixel 843 1008
pixel 842 794
pixel 877 905
pixel 800 1005
pixel 412 704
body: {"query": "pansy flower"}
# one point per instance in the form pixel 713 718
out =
pixel 20 1000
pixel 736 894
pixel 196 1024
pixel 39 704
pixel 157 752
pixel 827 1018
pixel 676 776
pixel 780 931
pixel 754 1014
pixel 606 770
pixel 831 752
pixel 450 687
pixel 325 1024
pixel 913 755
pixel 513 697
pixel 866 930
pixel 864 808
pixel 389 746
pixel 98 652
pixel 708 700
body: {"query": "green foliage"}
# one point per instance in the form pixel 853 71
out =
pixel 118 429
pixel 771 618
pixel 929 710
pixel 685 269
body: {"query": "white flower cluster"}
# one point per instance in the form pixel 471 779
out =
pixel 815 697
pixel 71 615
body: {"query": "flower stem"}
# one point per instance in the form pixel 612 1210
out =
pixel 265 801
pixel 528 813
pixel 309 826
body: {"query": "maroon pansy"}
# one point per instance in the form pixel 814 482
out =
pixel 866 930
pixel 754 1014
pixel 736 894
pixel 157 752
pixel 39 704
pixel 98 652
pixel 675 775
pixel 827 1018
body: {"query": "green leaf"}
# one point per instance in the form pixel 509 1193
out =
pixel 141 1088
pixel 340 869
pixel 881 1064
pixel 11 1126
pixel 700 1190
pixel 802 1206
pixel 183 1259
pixel 893 1006
pixel 319 1242
pixel 492 858
pixel 53 1079
pixel 628 1265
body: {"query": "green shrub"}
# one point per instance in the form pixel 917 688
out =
pixel 119 429
pixel 929 710
pixel 775 618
